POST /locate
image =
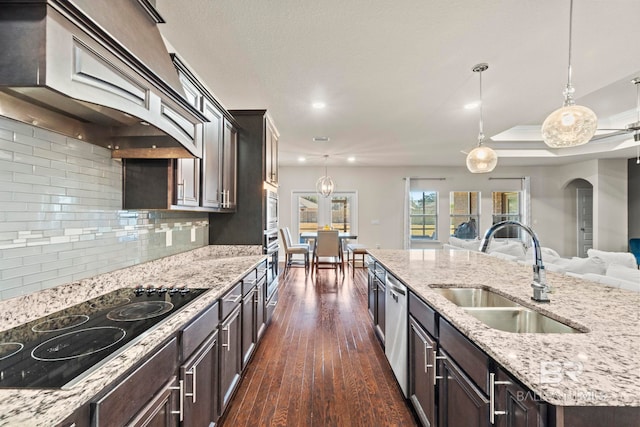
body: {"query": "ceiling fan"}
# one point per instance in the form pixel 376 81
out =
pixel 631 127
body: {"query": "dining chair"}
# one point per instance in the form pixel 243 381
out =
pixel 326 252
pixel 290 250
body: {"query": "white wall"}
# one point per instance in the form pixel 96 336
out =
pixel 381 197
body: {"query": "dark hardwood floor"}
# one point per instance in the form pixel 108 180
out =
pixel 319 362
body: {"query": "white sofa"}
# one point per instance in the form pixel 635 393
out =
pixel 615 269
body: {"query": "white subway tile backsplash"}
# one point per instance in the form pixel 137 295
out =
pixel 62 203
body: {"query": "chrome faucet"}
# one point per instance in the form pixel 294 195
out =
pixel 540 288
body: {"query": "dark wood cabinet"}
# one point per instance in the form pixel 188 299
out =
pixel 461 403
pixel 219 166
pixel 515 405
pixel 199 369
pixel 376 298
pixel 271 153
pixel 230 355
pixel 261 306
pixel 160 412
pixel 381 289
pixel 422 373
pixel 248 224
pixel 249 320
pixel 200 381
pixel 187 182
pixel 203 184
pixel 146 396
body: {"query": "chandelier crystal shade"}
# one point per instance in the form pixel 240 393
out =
pixel 481 159
pixel 571 125
pixel 324 184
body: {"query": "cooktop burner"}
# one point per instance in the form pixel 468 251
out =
pixel 55 350
pixel 60 323
pixel 79 343
pixel 8 349
pixel 140 311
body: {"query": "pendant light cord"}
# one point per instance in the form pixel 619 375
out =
pixel 569 90
pixel 481 133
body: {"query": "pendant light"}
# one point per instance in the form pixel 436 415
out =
pixel 324 184
pixel 481 159
pixel 571 125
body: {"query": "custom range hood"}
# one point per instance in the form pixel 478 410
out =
pixel 96 70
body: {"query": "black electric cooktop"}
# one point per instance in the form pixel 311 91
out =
pixel 53 351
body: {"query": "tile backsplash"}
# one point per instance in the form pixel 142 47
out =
pixel 61 216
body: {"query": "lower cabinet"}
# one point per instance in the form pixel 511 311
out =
pixel 452 382
pixel 461 403
pixel 159 411
pixel 199 369
pixel 230 355
pixel 249 321
pixel 422 366
pixel 514 404
pixel 147 396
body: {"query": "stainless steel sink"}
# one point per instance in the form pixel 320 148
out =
pixel 520 320
pixel 475 297
pixel 501 313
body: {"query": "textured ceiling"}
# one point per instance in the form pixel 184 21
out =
pixel 396 75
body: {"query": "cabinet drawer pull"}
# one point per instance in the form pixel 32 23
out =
pixel 235 300
pixel 180 410
pixel 492 397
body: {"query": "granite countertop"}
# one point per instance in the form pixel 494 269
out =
pixel 598 368
pixel 214 267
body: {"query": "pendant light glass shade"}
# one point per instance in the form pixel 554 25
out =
pixel 481 159
pixel 571 125
pixel 324 184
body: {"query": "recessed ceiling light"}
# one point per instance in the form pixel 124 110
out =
pixel 472 105
pixel 302 159
pixel 318 105
pixel 320 139
pixel 351 159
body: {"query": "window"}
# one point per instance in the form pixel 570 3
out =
pixel 313 211
pixel 464 214
pixel 423 212
pixel 506 207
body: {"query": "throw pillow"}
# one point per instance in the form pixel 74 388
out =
pixel 622 258
pixel 515 249
pixel 624 273
pixel 586 265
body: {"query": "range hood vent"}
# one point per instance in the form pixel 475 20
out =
pixel 96 70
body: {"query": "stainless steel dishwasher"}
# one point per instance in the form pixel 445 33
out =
pixel 396 330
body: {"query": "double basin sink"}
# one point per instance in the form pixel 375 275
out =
pixel 498 312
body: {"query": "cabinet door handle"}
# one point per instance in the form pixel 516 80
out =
pixel 180 410
pixel 492 397
pixel 426 356
pixel 435 370
pixel 228 338
pixel 181 191
pixel 193 372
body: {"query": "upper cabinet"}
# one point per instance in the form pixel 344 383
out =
pixel 271 152
pixel 204 184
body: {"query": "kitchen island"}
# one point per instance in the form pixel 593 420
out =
pixel 217 268
pixel 597 367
